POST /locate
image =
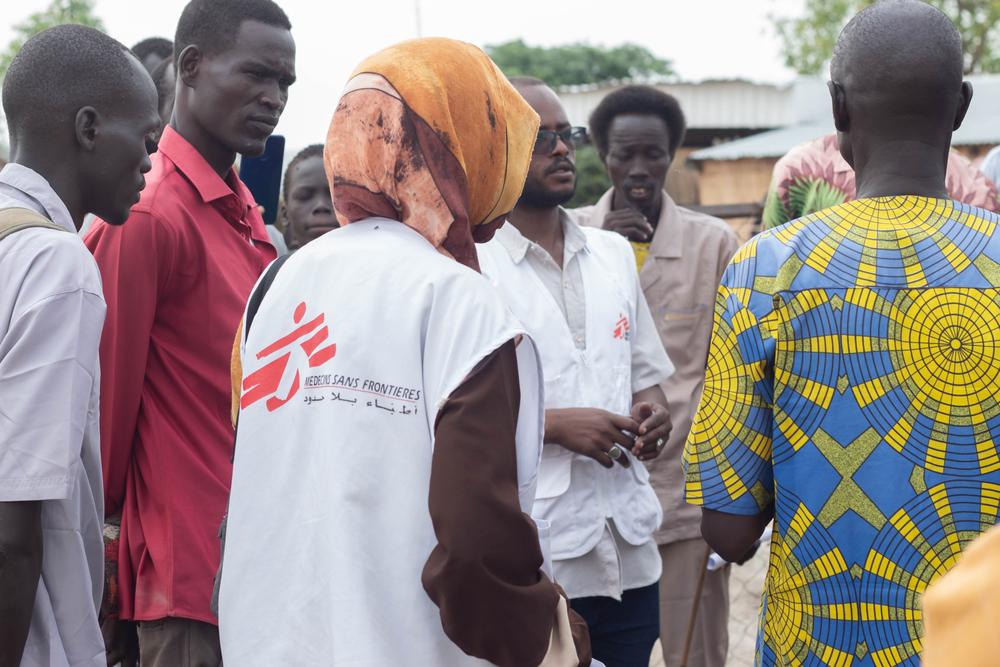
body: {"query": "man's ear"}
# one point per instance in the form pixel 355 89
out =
pixel 188 65
pixel 87 127
pixel 841 118
pixel 965 99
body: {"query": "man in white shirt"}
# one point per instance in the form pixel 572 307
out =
pixel 577 293
pixel 79 107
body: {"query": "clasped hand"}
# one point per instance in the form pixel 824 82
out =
pixel 593 432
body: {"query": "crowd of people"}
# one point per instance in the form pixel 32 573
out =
pixel 440 419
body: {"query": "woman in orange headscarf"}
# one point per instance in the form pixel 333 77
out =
pixel 390 411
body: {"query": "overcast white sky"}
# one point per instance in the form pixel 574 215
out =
pixel 703 38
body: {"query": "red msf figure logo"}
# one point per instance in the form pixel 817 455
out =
pixel 266 382
pixel 621 327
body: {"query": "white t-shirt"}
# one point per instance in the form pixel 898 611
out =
pixel 51 316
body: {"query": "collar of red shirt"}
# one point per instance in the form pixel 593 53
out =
pixel 229 196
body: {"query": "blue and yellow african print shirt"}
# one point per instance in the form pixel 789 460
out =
pixel 854 380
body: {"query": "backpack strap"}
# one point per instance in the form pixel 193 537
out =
pixel 253 304
pixel 13 220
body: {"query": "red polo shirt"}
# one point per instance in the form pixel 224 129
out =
pixel 176 279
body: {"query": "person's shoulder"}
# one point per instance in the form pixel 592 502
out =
pixel 583 215
pixel 159 212
pixel 612 247
pixel 604 237
pixel 799 236
pixel 706 224
pixel 166 189
pixel 50 262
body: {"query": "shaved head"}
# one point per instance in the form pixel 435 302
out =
pixel 904 50
pixel 898 94
pixel 80 107
pixel 62 69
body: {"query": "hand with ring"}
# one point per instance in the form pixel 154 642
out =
pixel 654 429
pixel 598 434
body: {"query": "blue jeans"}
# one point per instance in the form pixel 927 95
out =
pixel 622 634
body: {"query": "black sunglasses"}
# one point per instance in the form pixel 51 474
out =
pixel 573 137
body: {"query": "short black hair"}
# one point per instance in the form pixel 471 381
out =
pixel 164 86
pixel 60 70
pixel 160 46
pixel 212 25
pixel 314 150
pixel 637 100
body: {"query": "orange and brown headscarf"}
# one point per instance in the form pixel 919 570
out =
pixel 430 132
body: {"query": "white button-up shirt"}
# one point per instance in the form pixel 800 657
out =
pixel 51 316
pixel 613 566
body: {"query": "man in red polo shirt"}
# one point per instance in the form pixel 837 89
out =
pixel 176 282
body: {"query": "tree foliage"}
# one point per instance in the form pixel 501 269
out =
pixel 807 41
pixel 57 13
pixel 578 63
pixel 591 178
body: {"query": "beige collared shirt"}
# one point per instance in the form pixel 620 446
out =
pixel 680 278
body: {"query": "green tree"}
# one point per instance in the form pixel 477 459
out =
pixel 57 13
pixel 579 62
pixel 807 41
pixel 591 178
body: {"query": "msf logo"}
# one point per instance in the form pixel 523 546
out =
pixel 621 330
pixel 306 344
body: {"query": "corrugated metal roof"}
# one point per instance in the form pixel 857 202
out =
pixel 981 126
pixel 773 143
pixel 720 104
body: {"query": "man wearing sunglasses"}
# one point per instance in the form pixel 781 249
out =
pixel 577 293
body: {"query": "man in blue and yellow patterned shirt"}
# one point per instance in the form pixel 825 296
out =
pixel 853 385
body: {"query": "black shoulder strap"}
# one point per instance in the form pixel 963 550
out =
pixel 253 305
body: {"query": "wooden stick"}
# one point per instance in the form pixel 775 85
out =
pixel 695 605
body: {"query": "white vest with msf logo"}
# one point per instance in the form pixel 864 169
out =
pixel 360 340
pixel 600 376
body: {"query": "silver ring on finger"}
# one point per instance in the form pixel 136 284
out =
pixel 659 444
pixel 615 452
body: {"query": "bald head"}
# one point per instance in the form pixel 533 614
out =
pixel 897 90
pixel 903 53
pixel 80 108
pixel 62 69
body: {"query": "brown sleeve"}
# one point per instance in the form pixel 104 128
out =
pixel 484 573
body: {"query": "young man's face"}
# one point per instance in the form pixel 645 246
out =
pixel 551 177
pixel 638 159
pixel 308 206
pixel 243 90
pixel 115 167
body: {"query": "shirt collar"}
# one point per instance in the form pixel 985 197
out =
pixel 206 181
pixel 668 239
pixel 34 186
pixel 517 245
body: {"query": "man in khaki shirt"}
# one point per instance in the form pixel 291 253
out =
pixel 681 255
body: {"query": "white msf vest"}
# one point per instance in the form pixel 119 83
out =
pixel 577 505
pixel 328 526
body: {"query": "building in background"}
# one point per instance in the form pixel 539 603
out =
pixel 738 129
